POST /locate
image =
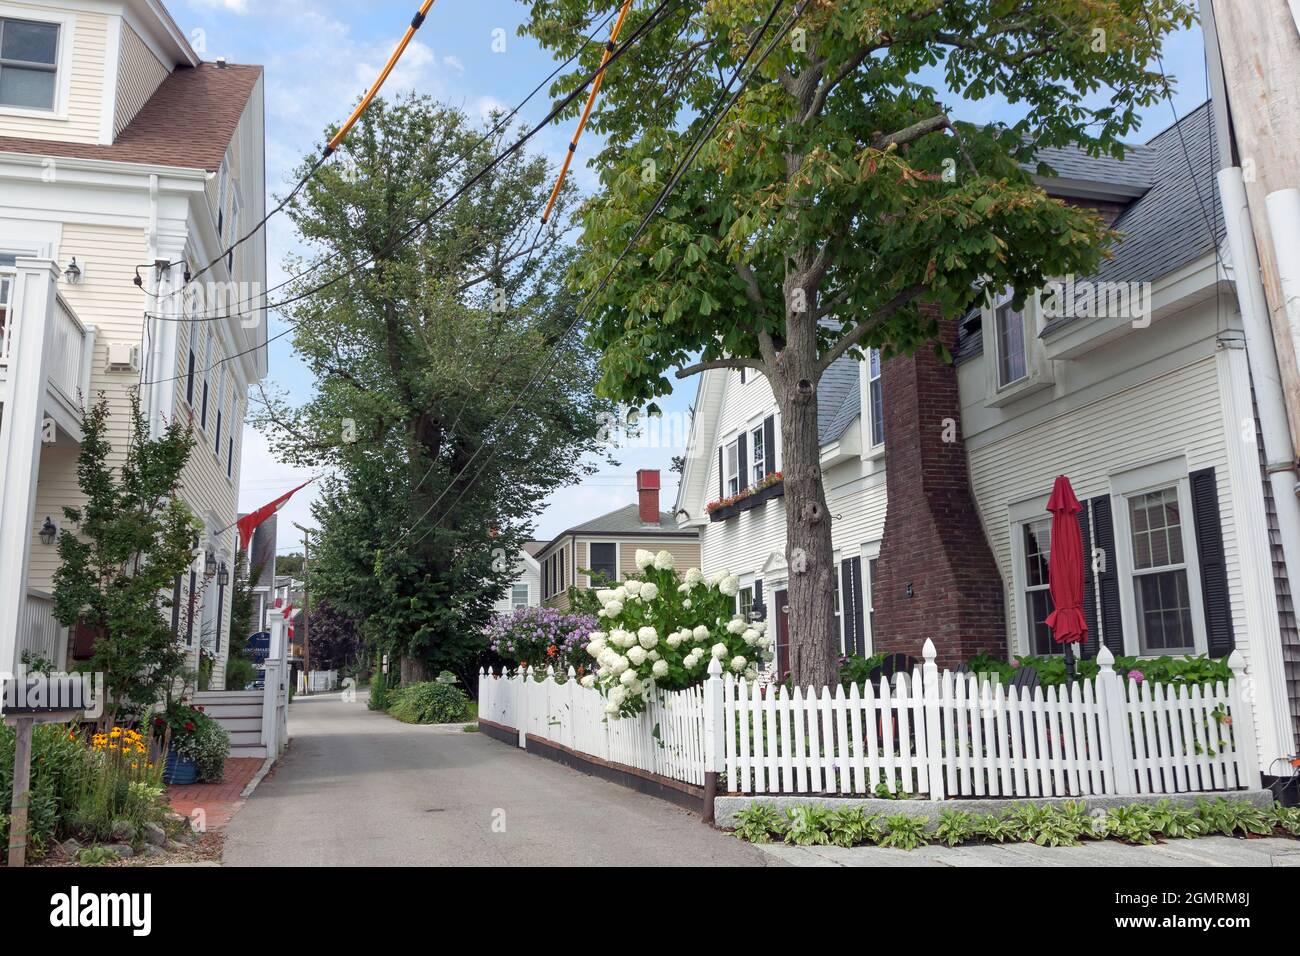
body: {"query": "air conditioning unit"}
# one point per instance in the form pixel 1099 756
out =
pixel 123 357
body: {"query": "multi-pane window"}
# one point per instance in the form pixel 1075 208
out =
pixel 1037 545
pixel 1160 589
pixel 6 297
pixel 876 394
pixel 731 467
pixel 519 596
pixel 29 56
pixel 1009 324
pixel 758 455
pixel 603 560
pixel 744 602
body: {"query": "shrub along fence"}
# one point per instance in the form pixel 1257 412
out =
pixel 931 733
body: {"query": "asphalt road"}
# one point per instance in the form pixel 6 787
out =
pixel 358 788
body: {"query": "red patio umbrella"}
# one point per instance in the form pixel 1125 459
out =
pixel 1065 566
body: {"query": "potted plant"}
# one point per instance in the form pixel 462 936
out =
pixel 197 746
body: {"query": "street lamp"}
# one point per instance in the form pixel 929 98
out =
pixel 209 565
pixel 223 575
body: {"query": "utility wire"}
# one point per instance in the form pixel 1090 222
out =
pixel 718 113
pixel 425 220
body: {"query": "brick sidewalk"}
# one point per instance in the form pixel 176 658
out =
pixel 219 801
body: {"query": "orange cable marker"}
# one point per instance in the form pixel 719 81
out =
pixel 416 22
pixel 586 111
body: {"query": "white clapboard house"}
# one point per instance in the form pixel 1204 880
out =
pixel 937 475
pixel 122 155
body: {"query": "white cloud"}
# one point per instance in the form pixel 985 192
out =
pixel 454 63
pixel 234 6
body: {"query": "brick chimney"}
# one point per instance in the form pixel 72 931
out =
pixel 647 490
pixel 936 576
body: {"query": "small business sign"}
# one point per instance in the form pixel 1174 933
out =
pixel 259 647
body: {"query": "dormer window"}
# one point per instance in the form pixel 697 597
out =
pixel 1009 324
pixel 877 396
pixel 29 53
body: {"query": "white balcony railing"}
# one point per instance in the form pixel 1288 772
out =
pixel 40 635
pixel 67 353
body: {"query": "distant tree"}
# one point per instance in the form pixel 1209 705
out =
pixel 290 564
pixel 129 543
pixel 335 642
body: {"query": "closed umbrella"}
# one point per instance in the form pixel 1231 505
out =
pixel 1065 566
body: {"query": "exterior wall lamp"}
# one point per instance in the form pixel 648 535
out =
pixel 49 531
pixel 73 272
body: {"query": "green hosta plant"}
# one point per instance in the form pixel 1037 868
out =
pixel 1286 819
pixel 955 827
pixel 854 826
pixel 1231 817
pixel 1045 826
pixel 1132 824
pixel 662 631
pixel 758 823
pixel 808 825
pixel 1176 822
pixel 904 832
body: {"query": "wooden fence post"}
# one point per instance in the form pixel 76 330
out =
pixel 713 739
pixel 1241 701
pixel 1112 706
pixel 933 721
pixel 525 691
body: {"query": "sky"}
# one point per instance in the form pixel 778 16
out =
pixel 320 56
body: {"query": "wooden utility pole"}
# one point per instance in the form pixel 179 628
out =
pixel 21 790
pixel 306 605
pixel 1259 45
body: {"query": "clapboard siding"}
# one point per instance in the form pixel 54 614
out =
pixel 139 75
pixel 80 124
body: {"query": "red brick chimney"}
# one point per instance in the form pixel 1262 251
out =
pixel 936 576
pixel 647 489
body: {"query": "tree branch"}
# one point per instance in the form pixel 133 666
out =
pixel 911 133
pixel 722 363
pixel 853 337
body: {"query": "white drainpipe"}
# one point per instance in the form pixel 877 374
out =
pixel 1262 356
pixel 1284 223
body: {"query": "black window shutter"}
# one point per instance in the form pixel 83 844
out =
pixel 769 444
pixel 1112 620
pixel 189 377
pixel 742 462
pixel 846 605
pixel 859 627
pixel 1089 584
pixel 758 592
pixel 722 477
pixel 1214 572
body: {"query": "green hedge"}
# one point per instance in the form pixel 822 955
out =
pixel 432 702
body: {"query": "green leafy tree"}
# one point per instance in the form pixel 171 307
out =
pixel 290 564
pixel 839 205
pixel 335 642
pixel 131 540
pixel 435 470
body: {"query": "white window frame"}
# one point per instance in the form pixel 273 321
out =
pixel 618 559
pixel 757 464
pixel 66 22
pixel 9 278
pixel 527 595
pixel 1138 481
pixel 874 370
pixel 1019 514
pixel 731 467
pixel 1038 367
pixel 870 553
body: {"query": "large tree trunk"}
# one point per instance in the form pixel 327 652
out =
pixel 808 552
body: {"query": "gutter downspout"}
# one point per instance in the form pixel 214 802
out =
pixel 1262 358
pixel 1284 223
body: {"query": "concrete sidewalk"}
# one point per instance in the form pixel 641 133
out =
pixel 1211 851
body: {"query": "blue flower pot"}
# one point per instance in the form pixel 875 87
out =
pixel 178 769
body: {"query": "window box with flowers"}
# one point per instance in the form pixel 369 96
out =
pixel 772 486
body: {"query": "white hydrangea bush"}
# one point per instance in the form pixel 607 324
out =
pixel 659 630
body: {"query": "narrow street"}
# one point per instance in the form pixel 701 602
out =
pixel 362 789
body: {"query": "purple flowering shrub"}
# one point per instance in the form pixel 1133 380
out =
pixel 541 637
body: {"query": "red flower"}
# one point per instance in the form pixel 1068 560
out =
pixel 157 721
pixel 551 651
pixel 189 725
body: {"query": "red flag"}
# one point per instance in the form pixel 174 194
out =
pixel 248 524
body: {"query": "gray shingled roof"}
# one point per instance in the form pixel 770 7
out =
pixel 1164 229
pixel 623 521
pixel 838 399
pixel 1135 170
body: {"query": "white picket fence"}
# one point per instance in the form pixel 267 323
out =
pixel 939 734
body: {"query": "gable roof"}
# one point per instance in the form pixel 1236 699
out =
pixel 839 399
pixel 188 122
pixel 1162 230
pixel 625 520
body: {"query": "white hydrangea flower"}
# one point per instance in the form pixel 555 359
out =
pixel 617 694
pixel 765 641
pixel 701 633
pixel 735 625
pixel 738 663
pixel 719 650
pixel 613 609
pixel 648 637
pixel 620 665
pixel 760 626
pixel 660 669
pixel 664 561
pixel 751 673
pixel 649 591
pixel 604 595
pixel 611 709
pixel 750 636
pixel 644 558
pixel 601 613
pixel 595 647
pixel 652 655
pixel 683 589
pixel 589 681
pixel 674 639
pixel 620 593
pixel 633 587
pixel 636 655
pixel 694 576
pixel 717 577
pixel 687 604
pixel 730 585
